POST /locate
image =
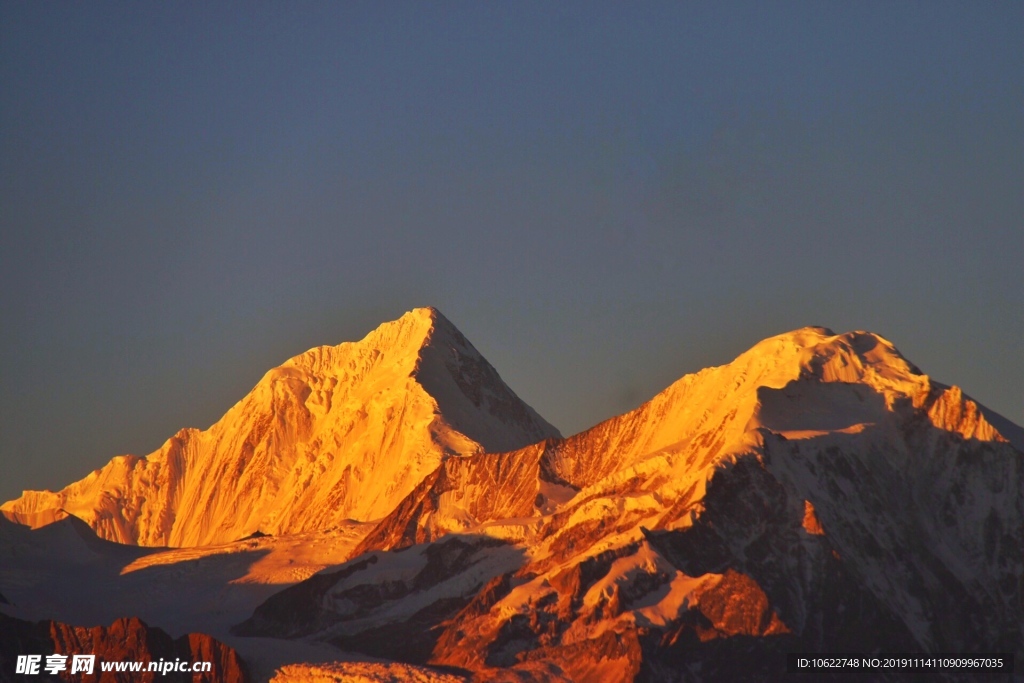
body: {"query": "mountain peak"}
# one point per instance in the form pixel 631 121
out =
pixel 858 356
pixel 347 429
pixel 396 345
pixel 424 318
pixel 410 332
pixel 818 492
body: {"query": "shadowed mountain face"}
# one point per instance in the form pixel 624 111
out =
pixel 819 493
pixel 337 433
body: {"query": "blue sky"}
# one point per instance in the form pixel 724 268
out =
pixel 602 196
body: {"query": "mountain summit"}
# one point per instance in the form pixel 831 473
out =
pixel 817 494
pixel 802 384
pixel 336 433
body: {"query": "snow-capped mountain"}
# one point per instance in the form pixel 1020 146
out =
pixel 819 493
pixel 334 434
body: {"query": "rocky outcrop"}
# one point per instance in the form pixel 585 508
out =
pixel 336 433
pixel 461 493
pixel 126 640
pixel 819 493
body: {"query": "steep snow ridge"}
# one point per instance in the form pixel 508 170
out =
pixel 818 484
pixel 807 382
pixel 473 398
pixel 127 495
pixel 928 519
pixel 336 433
pixel 803 384
pixel 715 405
pixel 819 493
pixel 462 494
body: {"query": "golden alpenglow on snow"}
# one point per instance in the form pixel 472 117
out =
pixel 336 433
pixel 817 494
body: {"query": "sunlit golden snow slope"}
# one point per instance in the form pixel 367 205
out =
pixel 818 492
pixel 334 434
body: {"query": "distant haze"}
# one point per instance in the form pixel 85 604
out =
pixel 601 197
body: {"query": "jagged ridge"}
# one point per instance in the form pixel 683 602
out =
pixel 126 640
pixel 817 492
pixel 336 433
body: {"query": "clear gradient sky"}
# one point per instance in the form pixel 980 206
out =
pixel 601 196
